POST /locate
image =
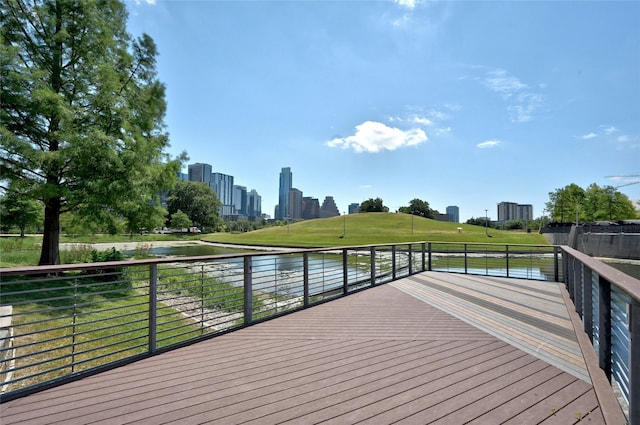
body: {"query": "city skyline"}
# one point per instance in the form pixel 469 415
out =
pixel 454 103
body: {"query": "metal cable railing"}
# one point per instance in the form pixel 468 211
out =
pixel 69 321
pixel 608 301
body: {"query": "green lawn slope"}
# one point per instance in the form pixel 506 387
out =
pixel 373 228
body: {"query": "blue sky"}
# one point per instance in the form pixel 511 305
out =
pixel 455 103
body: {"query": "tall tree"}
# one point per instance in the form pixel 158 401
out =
pixel 373 205
pixel 607 203
pixel 81 122
pixel 563 203
pixel 19 211
pixel 593 204
pixel 198 201
pixel 418 207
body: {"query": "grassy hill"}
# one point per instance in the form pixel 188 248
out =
pixel 373 228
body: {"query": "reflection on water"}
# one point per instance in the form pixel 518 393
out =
pixel 533 273
pixel 630 268
pixel 185 251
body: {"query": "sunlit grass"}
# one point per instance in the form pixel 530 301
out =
pixel 374 228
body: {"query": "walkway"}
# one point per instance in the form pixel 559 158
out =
pixel 430 348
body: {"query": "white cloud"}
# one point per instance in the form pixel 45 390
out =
pixel 374 137
pixel 500 81
pixel 623 139
pixel 139 2
pixel 421 120
pixel 409 4
pixel 588 136
pixel 523 103
pixel 608 130
pixel 441 131
pixel 488 144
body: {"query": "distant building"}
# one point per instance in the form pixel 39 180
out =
pixel 439 216
pixel 200 173
pixel 354 208
pixel 454 214
pixel 240 200
pixel 310 208
pixel 508 211
pixel 329 208
pixel 254 205
pixel 295 204
pixel 286 183
pixel 222 185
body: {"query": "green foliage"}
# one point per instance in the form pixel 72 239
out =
pixel 18 210
pixel 373 205
pixel 418 207
pixel 593 204
pixel 81 124
pixel 481 221
pixel 198 201
pixel 180 220
pixel 108 273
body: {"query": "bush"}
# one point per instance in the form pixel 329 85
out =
pixel 108 273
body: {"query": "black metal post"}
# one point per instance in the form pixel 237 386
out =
pixel 153 291
pixel 604 327
pixel 248 293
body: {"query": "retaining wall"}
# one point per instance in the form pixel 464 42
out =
pixel 598 241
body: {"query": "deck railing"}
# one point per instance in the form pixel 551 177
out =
pixel 608 301
pixel 68 321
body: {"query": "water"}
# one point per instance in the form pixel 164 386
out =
pixel 631 267
pixel 185 251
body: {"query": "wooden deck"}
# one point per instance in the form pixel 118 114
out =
pixel 430 348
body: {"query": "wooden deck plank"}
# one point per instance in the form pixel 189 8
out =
pixel 527 329
pixel 375 356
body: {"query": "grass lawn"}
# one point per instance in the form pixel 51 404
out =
pixel 373 228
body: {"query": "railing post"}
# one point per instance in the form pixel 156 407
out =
pixel 556 267
pixel 587 294
pixel 393 262
pixel 571 277
pixel 465 259
pixel 373 265
pixel 429 264
pixel 422 249
pixel 604 327
pixel 305 279
pixel 153 318
pixel 506 252
pixel 634 362
pixel 248 293
pixel 410 261
pixel 578 288
pixel 345 272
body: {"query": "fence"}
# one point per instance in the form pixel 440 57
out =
pixel 68 321
pixel 608 301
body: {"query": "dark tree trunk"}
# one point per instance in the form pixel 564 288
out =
pixel 50 253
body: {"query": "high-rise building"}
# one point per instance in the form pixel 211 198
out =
pixel 200 173
pixel 240 200
pixel 454 214
pixel 295 204
pixel 254 205
pixel 310 208
pixel 329 208
pixel 286 183
pixel 508 211
pixel 354 208
pixel 222 185
pixel 525 212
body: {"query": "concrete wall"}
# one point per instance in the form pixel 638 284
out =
pixel 603 241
